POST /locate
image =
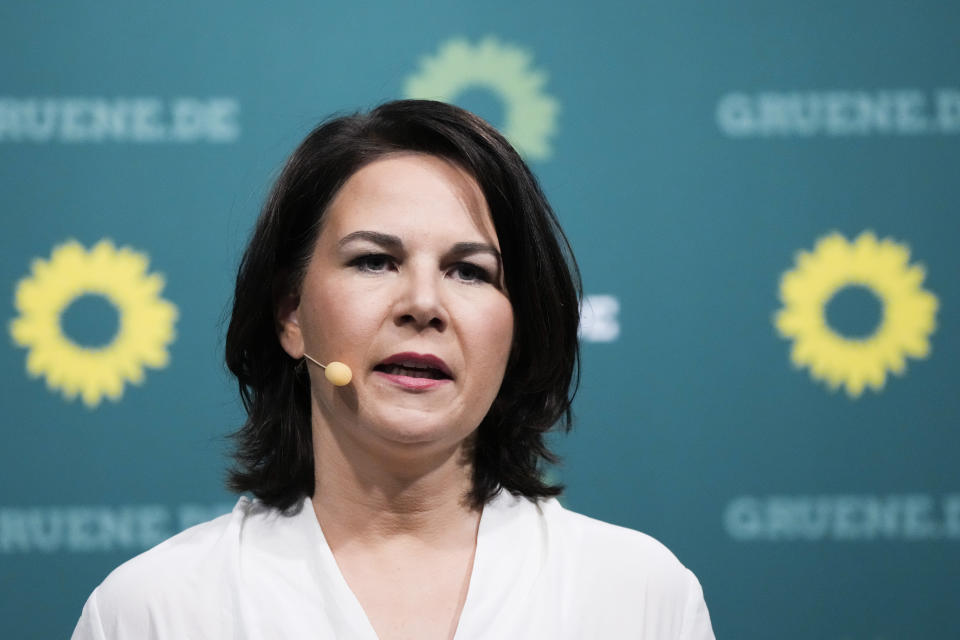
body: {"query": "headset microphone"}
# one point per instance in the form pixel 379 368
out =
pixel 337 373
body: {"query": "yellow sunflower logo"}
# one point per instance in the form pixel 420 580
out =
pixel 882 267
pixel 118 275
pixel 531 114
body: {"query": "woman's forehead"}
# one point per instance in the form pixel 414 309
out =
pixel 412 193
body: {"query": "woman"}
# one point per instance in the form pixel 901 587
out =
pixel 412 244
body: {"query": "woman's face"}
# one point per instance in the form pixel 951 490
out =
pixel 405 285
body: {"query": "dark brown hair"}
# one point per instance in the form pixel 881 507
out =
pixel 274 454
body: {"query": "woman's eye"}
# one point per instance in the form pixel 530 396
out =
pixel 372 263
pixel 469 272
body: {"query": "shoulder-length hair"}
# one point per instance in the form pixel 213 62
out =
pixel 274 450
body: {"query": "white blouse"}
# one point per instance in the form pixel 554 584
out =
pixel 540 571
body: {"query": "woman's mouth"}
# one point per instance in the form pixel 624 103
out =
pixel 414 370
pixel 411 372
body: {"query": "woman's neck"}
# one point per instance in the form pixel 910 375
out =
pixel 368 497
pixel 401 530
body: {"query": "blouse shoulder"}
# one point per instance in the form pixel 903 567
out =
pixel 621 567
pixel 601 540
pixel 164 584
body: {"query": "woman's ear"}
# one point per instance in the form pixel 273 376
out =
pixel 288 327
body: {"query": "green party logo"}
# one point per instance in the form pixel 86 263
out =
pixel 504 69
pixel 145 327
pixel 907 317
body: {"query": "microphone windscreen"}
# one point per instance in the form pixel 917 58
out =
pixel 338 374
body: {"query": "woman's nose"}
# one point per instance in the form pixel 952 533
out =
pixel 420 304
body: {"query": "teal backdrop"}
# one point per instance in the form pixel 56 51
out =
pixel 763 199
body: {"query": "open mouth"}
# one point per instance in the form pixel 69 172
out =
pixel 415 366
pixel 412 372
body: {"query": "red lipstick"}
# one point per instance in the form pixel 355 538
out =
pixel 415 371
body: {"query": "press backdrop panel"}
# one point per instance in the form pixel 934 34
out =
pixel 763 200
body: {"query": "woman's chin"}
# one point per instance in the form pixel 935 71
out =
pixel 414 433
pixel 422 435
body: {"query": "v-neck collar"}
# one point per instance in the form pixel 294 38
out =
pixel 511 550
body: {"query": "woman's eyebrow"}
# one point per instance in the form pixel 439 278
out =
pixel 385 240
pixel 393 242
pixel 466 248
